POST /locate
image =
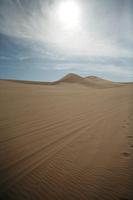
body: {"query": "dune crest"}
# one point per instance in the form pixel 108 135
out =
pixel 71 78
pixel 89 81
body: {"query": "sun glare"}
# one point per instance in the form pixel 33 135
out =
pixel 69 14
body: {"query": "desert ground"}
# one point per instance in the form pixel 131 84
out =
pixel 67 140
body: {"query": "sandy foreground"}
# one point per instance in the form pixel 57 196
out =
pixel 66 142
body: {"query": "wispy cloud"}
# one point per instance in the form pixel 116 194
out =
pixel 113 69
pixel 31 32
pixel 100 33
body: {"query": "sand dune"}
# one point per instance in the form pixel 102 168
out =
pixel 67 140
pixel 90 81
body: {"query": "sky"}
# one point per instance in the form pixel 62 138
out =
pixel 43 40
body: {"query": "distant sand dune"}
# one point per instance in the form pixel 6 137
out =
pixel 91 81
pixel 71 140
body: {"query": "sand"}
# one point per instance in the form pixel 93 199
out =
pixel 66 141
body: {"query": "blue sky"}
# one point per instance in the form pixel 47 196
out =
pixel 46 39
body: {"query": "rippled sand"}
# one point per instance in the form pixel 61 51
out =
pixel 66 141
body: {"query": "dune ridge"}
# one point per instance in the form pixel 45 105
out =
pixel 89 81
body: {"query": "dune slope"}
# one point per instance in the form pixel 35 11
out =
pixel 90 81
pixel 66 141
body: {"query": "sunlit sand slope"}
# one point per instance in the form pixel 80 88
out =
pixel 66 141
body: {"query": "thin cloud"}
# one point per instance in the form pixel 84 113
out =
pixel 96 68
pixel 32 34
pixel 38 22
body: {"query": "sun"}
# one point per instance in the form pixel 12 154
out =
pixel 69 14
